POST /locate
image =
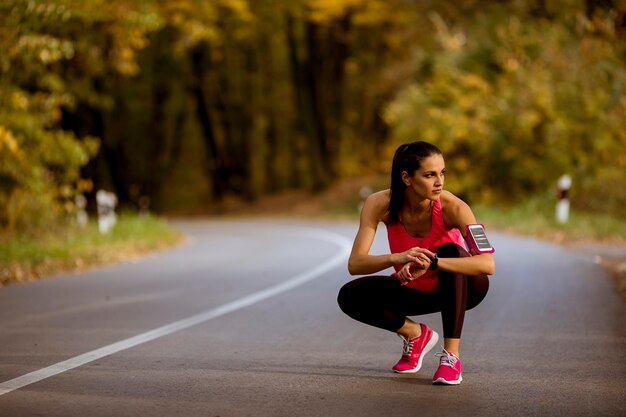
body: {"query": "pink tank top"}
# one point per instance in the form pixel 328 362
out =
pixel 400 240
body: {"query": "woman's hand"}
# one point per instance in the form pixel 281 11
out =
pixel 420 256
pixel 411 271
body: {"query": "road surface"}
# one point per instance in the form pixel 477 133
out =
pixel 242 320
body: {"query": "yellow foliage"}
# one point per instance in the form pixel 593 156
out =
pixel 240 8
pixel 19 100
pixel 363 12
pixel 328 10
pixel 8 141
pixel 552 101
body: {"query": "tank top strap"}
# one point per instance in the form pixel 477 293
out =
pixel 437 215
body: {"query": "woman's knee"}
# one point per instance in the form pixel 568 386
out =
pixel 364 291
pixel 348 296
pixel 344 297
pixel 452 250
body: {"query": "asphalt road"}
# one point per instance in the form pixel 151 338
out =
pixel 242 321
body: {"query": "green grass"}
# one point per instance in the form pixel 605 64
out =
pixel 537 218
pixel 79 248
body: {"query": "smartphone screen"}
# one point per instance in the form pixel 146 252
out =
pixel 480 237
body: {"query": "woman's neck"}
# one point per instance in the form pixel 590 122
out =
pixel 414 206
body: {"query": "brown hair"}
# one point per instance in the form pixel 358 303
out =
pixel 408 157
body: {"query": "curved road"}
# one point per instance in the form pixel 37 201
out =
pixel 242 321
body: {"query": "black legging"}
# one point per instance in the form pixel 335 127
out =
pixel 382 301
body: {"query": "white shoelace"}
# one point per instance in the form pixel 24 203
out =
pixel 407 346
pixel 447 358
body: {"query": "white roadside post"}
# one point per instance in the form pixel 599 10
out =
pixel 106 210
pixel 562 205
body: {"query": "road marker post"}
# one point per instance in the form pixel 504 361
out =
pixel 562 205
pixel 106 210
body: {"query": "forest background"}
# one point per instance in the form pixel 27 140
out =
pixel 182 105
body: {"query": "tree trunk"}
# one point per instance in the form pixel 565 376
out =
pixel 319 79
pixel 303 81
pixel 215 165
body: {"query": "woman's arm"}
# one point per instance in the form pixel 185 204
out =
pixel 457 214
pixel 474 265
pixel 360 261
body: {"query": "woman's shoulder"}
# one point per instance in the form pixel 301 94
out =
pixel 379 199
pixel 378 203
pixel 450 200
pixel 455 210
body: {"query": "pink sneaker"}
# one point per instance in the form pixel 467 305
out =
pixel 449 371
pixel 413 351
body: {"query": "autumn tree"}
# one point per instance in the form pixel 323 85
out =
pixel 516 101
pixel 186 104
pixel 56 59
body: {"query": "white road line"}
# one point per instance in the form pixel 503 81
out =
pixel 36 376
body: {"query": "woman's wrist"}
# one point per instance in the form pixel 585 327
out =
pixel 434 263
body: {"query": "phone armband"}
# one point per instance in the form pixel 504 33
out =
pixel 476 239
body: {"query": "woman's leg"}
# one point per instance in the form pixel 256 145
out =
pixel 457 293
pixel 381 301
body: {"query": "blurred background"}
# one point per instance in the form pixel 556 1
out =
pixel 179 106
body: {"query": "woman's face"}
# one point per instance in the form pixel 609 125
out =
pixel 427 182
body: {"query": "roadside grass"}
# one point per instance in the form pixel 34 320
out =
pixel 77 249
pixel 536 218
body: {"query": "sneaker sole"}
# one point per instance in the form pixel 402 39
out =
pixel 431 344
pixel 441 381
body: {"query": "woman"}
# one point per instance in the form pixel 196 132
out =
pixel 426 227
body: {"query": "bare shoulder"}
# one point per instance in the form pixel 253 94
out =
pixel 377 204
pixel 451 202
pixel 457 213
